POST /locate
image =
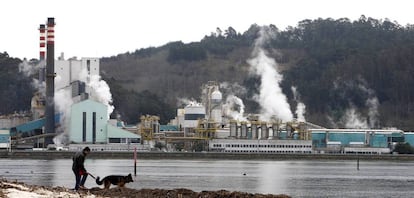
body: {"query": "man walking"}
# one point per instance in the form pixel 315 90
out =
pixel 79 169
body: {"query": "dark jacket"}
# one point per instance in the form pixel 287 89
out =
pixel 78 160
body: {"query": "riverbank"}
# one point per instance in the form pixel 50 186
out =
pixel 19 190
pixel 199 155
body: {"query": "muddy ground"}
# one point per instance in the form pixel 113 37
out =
pixel 128 192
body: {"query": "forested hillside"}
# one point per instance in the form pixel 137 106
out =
pixel 15 88
pixel 336 65
pixel 341 69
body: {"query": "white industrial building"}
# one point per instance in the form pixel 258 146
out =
pixel 72 70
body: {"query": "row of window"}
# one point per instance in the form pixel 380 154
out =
pixel 261 146
pixel 124 140
pixel 256 151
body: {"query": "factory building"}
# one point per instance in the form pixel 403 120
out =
pixel 409 138
pixel 192 114
pixel 88 117
pixel 88 122
pixel 212 101
pixel 260 146
pixel 4 139
pixel 84 120
pixel 369 141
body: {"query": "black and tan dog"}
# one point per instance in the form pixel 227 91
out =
pixel 118 180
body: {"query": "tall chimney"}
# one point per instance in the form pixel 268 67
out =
pixel 42 30
pixel 50 80
pixel 42 54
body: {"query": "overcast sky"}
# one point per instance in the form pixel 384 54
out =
pixel 97 28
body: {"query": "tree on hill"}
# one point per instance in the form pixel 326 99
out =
pixel 15 89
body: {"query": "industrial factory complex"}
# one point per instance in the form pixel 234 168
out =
pixel 68 113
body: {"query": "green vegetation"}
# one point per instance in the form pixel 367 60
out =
pixel 131 105
pixel 15 89
pixel 404 148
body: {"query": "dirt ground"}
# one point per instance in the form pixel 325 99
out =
pixel 127 192
pixel 176 193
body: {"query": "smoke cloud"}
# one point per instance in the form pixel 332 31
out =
pixel 271 98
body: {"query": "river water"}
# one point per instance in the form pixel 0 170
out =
pixel 309 178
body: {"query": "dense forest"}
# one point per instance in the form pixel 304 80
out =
pixel 337 66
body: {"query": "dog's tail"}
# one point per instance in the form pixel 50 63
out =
pixel 98 182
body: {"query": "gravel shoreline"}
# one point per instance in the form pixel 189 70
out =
pixel 12 189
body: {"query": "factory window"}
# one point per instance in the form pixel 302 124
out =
pixel 193 116
pixel 88 66
pixel 94 127
pixel 114 140
pixel 84 127
pixel 135 140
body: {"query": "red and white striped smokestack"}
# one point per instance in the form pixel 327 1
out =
pixel 51 31
pixel 42 30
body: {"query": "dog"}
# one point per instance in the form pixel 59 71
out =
pixel 118 180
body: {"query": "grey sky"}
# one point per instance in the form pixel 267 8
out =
pixel 96 28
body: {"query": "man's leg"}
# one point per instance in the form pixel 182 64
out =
pixel 83 180
pixel 78 180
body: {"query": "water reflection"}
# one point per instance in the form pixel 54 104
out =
pixel 296 178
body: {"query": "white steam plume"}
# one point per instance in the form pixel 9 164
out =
pixel 300 107
pixel 357 120
pixel 99 89
pixel 32 69
pixel 372 104
pixel 300 112
pixel 234 108
pixel 63 103
pixel 187 102
pixel 271 98
pixel 232 88
pixel 353 119
pixel 101 92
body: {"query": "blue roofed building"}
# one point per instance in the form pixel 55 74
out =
pixel 369 141
pixel 89 124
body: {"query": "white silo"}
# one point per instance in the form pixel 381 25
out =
pixel 216 109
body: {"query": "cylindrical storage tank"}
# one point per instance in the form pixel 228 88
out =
pixel 233 128
pixel 254 130
pixel 192 114
pixel 155 128
pixel 243 129
pixel 295 135
pixel 216 115
pixel 216 97
pixel 275 128
pixel 216 111
pixel 265 131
